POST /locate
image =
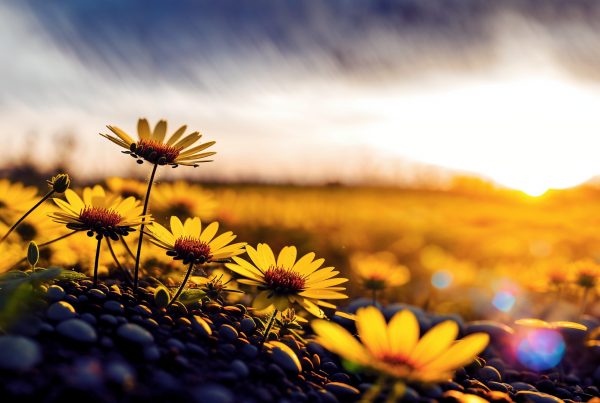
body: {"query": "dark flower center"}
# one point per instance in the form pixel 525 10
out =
pixel 155 151
pixel 191 250
pixel 284 281
pixel 180 208
pixel 397 361
pixel 99 217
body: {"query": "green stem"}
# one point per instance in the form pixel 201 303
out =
pixel 139 247
pixel 114 256
pixel 374 391
pixel 15 225
pixel 268 329
pixel 182 286
pixel 584 298
pixel 99 237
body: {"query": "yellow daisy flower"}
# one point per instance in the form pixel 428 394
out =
pixel 379 271
pixel 288 280
pixel 189 242
pixel 153 147
pixel 98 213
pixel 182 199
pixel 15 199
pixel 394 348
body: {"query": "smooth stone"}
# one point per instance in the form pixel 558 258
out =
pixel 113 307
pixel 201 326
pixel 360 303
pixel 143 310
pixel 109 319
pixel 97 294
pixel 89 318
pixel 135 334
pixel 286 360
pixel 55 293
pixel 107 342
pixel 60 311
pixel 240 368
pixel 496 330
pixel 151 353
pixel 249 351
pixel 488 374
pixel 18 353
pixel 247 325
pixel 341 389
pixel 228 332
pixel 120 373
pixel 213 393
pixel 522 386
pixel 176 344
pixel 339 377
pixel 536 397
pixel 77 330
pixel 330 367
pixel 497 386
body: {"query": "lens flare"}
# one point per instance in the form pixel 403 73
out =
pixel 442 279
pixel 504 301
pixel 541 349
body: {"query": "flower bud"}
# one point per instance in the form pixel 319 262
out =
pixel 60 183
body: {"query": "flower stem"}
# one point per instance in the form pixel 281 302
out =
pixel 139 247
pixel 182 286
pixel 99 237
pixel 374 391
pixel 114 256
pixel 584 298
pixel 397 392
pixel 15 225
pixel 268 329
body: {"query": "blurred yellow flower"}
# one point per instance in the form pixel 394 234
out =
pixel 126 187
pixel 182 199
pixel 288 280
pixel 15 199
pixel 189 242
pixel 98 213
pixel 152 147
pixel 394 349
pixel 379 271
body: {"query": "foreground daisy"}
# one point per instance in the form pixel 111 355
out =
pixel 190 243
pixel 394 349
pixel 287 280
pixel 99 215
pixel 154 147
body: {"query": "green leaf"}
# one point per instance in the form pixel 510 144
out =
pixel 161 296
pixel 33 254
pixel 191 296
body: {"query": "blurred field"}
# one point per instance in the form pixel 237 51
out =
pixel 491 253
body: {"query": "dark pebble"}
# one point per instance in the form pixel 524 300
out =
pixel 176 344
pixel 341 389
pixel 249 351
pixel 286 360
pixel 55 293
pixel 143 310
pixel 77 330
pixel 488 374
pixel 108 319
pixel 60 311
pixel 339 377
pixel 201 326
pixel 89 318
pixel 135 334
pixel 213 394
pixel 18 353
pixel 228 332
pixel 497 386
pixel 240 368
pixel 247 325
pixel 329 367
pixel 114 307
pixel 151 353
pixel 522 386
pixel 121 374
pixel 536 397
pixel 96 294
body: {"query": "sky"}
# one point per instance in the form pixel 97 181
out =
pixel 312 91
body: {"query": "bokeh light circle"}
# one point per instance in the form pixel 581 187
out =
pixel 442 279
pixel 541 349
pixel 504 301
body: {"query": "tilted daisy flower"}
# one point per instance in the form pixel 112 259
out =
pixel 379 271
pixel 395 350
pixel 288 280
pixel 193 245
pixel 154 146
pixel 99 215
